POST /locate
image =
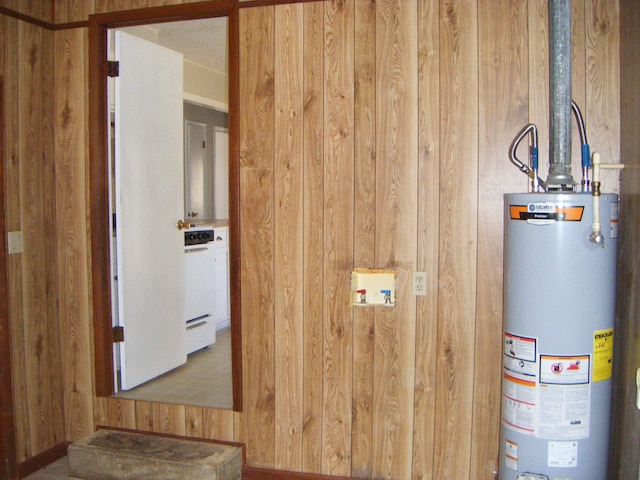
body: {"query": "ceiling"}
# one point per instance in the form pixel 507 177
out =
pixel 202 41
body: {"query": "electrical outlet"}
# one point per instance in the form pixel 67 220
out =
pixel 14 242
pixel 420 283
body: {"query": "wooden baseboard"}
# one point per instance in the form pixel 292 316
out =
pixel 253 473
pixel 43 459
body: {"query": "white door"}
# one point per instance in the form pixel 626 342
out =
pixel 149 201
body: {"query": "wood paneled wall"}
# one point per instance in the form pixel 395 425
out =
pixel 38 10
pixel 373 134
pixel 30 194
pixel 419 104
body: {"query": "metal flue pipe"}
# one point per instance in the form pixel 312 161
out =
pixel 560 177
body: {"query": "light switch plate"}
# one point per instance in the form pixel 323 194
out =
pixel 14 242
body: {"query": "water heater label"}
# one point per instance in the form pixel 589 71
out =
pixel 564 370
pixel 510 454
pixel 519 347
pixel 613 223
pixel 602 354
pixel 564 412
pixel 544 213
pixel 562 454
pixel 564 397
pixel 520 371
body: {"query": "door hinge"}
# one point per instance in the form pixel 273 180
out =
pixel 113 68
pixel 118 334
pixel 204 145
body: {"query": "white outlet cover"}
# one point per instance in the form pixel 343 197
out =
pixel 420 284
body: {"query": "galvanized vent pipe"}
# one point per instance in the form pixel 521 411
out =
pixel 560 177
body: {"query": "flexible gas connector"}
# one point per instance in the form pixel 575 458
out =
pixel 585 153
pixel 532 169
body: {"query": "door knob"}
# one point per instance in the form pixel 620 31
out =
pixel 183 224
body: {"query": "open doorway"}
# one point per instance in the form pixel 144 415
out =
pixel 100 218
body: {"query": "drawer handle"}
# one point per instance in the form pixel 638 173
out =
pixel 196 325
pixel 195 250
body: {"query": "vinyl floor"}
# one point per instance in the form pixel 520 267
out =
pixel 205 380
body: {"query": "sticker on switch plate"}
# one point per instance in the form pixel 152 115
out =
pixel 373 286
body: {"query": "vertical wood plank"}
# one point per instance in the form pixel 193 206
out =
pixel 288 217
pixel 101 6
pixel 100 411
pixel 603 85
pixel 149 3
pixel 218 424
pixel 71 236
pixel 77 10
pixel 428 172
pixel 157 3
pixel 396 233
pixel 13 223
pixel 61 11
pixel 313 179
pixel 168 418
pixel 144 416
pixel 578 82
pixel 458 237
pixel 193 421
pixel 121 413
pixel 338 236
pixel 257 243
pixel 538 27
pixel 364 231
pixel 115 5
pixel 54 352
pixel 503 62
pixel 34 262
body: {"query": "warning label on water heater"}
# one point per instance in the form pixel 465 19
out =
pixel 564 370
pixel 602 354
pixel 546 396
pixel 519 382
pixel 564 397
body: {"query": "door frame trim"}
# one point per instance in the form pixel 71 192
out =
pixel 99 181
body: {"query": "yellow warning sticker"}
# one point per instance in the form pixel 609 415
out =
pixel 602 354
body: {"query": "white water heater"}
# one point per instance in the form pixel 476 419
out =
pixel 559 312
